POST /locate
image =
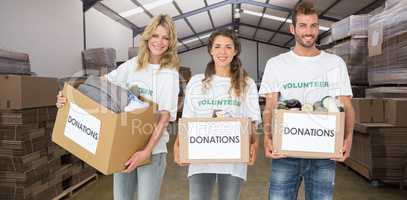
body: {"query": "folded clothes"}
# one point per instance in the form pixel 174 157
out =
pixel 105 93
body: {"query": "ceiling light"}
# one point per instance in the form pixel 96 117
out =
pixel 276 18
pixel 149 6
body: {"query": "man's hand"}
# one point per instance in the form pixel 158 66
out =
pixel 347 145
pixel 268 150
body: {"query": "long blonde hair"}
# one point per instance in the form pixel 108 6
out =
pixel 170 57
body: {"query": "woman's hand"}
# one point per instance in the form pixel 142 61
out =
pixel 253 154
pixel 176 154
pixel 61 100
pixel 136 160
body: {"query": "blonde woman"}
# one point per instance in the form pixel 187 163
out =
pixel 154 71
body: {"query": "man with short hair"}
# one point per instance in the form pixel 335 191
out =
pixel 306 74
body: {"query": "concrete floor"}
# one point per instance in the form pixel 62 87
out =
pixel 349 185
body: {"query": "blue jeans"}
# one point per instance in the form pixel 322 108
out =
pixel 286 175
pixel 145 180
pixel 201 186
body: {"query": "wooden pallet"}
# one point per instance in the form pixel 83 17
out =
pixel 358 167
pixel 73 190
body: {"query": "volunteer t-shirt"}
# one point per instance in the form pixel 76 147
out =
pixel 307 79
pixel 201 102
pixel 158 85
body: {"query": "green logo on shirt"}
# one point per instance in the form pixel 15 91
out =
pixel 310 84
pixel 145 92
pixel 220 102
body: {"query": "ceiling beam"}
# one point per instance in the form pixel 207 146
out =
pixel 279 8
pixel 115 16
pixel 144 9
pixel 285 21
pixel 186 19
pixel 210 14
pixel 365 10
pixel 197 47
pixel 197 11
pixel 260 20
pixel 87 4
pixel 370 7
pixel 329 7
pixel 265 29
pixel 206 32
pixel 241 37
pixel 263 42
pixel 236 20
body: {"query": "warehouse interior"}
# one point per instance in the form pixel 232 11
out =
pixel 45 44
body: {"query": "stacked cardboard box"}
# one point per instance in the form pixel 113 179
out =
pixel 350 43
pixel 380 138
pixel 99 61
pixel 354 52
pixel 31 166
pixel 359 91
pixel 387 92
pixel 14 62
pixel 132 52
pixel 388 46
pixel 24 162
pixel 185 75
pixel 377 151
pixel 353 26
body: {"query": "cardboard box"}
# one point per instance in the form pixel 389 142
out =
pixel 20 92
pixel 214 140
pixel 396 111
pixel 308 135
pixel 368 110
pixel 106 140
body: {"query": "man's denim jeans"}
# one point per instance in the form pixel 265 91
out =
pixel 286 175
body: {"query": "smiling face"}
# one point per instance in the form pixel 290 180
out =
pixel 222 51
pixel 159 42
pixel 306 30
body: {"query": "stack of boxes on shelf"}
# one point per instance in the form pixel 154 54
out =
pixel 185 75
pixel 31 166
pixel 350 43
pixel 14 62
pixel 380 135
pixel 99 61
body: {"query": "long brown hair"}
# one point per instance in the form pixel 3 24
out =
pixel 170 57
pixel 237 74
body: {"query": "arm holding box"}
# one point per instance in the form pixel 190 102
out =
pixel 349 124
pixel 271 104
